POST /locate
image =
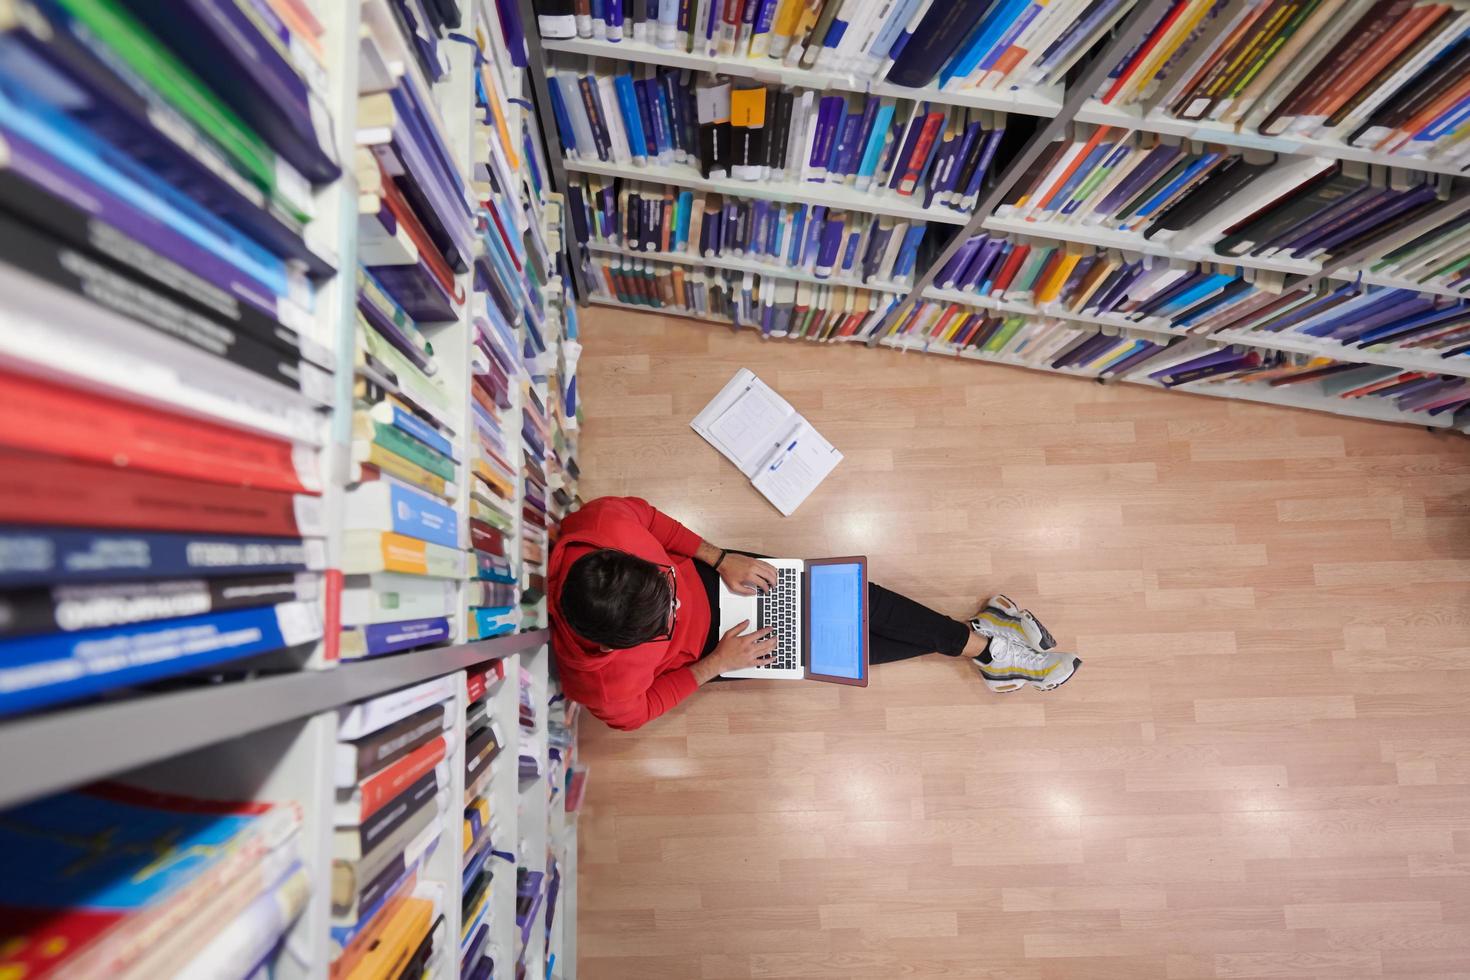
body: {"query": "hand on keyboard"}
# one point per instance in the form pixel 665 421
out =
pixel 738 650
pixel 776 609
pixel 745 575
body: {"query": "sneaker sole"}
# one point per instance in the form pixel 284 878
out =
pixel 1000 611
pixel 1049 685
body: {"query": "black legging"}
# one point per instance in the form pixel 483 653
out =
pixel 898 627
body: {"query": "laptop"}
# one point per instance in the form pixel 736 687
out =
pixel 820 609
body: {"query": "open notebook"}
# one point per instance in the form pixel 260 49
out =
pixel 758 431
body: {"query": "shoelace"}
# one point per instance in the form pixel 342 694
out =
pixel 1019 653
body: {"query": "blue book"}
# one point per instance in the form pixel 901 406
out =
pixel 645 117
pixel 831 241
pixel 829 117
pixel 75 148
pixel 991 26
pixel 1081 173
pixel 421 430
pixel 845 150
pixel 1008 37
pixel 661 104
pixel 893 25
pixel 1194 293
pixel 849 251
pixel 809 246
pixel 873 145
pixel 485 622
pixel 908 252
pixel 685 211
pixel 38 671
pixel 1166 192
pixel 40 556
pixel 373 641
pixel 798 236
pixel 632 117
pixel 563 121
pixel 410 512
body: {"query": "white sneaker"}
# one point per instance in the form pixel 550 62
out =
pixel 1013 665
pixel 1000 616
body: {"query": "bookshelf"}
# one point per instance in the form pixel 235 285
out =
pixel 266 731
pixel 1109 91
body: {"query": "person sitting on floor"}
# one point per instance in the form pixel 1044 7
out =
pixel 633 594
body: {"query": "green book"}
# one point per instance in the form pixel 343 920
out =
pixel 402 444
pixel 152 62
pixel 1003 336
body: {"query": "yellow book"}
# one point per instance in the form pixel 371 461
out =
pixel 1172 40
pixel 371 454
pixel 494 480
pixel 1107 355
pixel 399 941
pixel 365 552
pixel 1049 290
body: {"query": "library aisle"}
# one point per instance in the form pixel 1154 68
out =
pixel 1263 769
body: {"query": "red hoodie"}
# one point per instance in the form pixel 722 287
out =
pixel 627 688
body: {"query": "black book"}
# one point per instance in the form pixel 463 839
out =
pixel 578 206
pixel 1422 89
pixel 748 150
pixel 1225 182
pixel 592 102
pixel 1153 187
pixel 713 103
pixel 384 747
pixel 239 306
pixel 395 813
pixel 472 894
pixel 445 13
pixel 938 36
pixel 1274 223
pixel 68 608
pixel 480 748
pixel 111 286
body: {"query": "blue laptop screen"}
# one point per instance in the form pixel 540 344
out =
pixel 835 617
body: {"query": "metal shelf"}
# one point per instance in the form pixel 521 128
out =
pixel 1052 312
pixel 45 753
pixel 1032 102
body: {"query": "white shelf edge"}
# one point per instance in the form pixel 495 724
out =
pixel 1134 242
pixel 1027 309
pixel 45 753
pixel 746 265
pixel 841 197
pixel 1370 409
pixel 1459 367
pixel 1032 102
pixel 1213 132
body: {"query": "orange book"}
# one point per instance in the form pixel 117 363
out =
pixel 1066 174
pixel 1051 288
pixel 1360 72
pixel 1460 89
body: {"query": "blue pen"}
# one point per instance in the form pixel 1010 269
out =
pixel 784 456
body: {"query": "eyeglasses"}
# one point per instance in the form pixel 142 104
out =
pixel 668 631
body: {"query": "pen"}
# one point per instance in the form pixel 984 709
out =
pixel 777 464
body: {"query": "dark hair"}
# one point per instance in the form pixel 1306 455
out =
pixel 615 599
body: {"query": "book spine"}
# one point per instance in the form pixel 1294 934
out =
pixel 380 638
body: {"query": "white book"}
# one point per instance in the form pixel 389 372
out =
pixel 801 114
pixel 571 96
pixel 1043 31
pixel 616 128
pixel 365 717
pixel 254 931
pixel 389 597
pixel 768 440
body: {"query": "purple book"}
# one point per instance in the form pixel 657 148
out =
pixel 1342 209
pixel 910 139
pixel 1154 164
pixel 944 183
pixel 959 261
pixel 1196 364
pixel 1112 293
pixel 829 117
pixel 1081 340
pixel 939 162
pixel 991 253
pixel 827 252
pixel 1367 319
pixel 391 332
pixel 990 142
pixel 1085 351
pixel 1145 353
pixel 416 289
pixel 1417 197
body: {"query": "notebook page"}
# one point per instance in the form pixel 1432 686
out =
pixel 796 470
pixel 745 421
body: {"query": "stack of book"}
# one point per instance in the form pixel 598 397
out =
pixel 1194 197
pixel 498 374
pixel 1026 341
pixel 535 439
pixel 1375 321
pixel 1025 275
pixel 803 240
pixel 779 307
pixel 530 760
pixel 393 784
pixel 404 543
pixel 915 43
pixel 928 154
pixel 157 192
pixel 1388 76
pixel 114 881
pixel 483 741
pixel 1437 260
pixel 1246 372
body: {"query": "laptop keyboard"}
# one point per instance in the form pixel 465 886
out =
pixel 778 609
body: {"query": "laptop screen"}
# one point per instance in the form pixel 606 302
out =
pixel 835 620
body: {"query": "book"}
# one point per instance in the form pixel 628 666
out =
pixel 99 916
pixel 775 447
pixel 359 642
pixel 366 717
pixel 356 760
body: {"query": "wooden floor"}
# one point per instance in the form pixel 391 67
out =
pixel 1263 769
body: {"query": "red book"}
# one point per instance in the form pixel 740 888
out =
pixel 1143 51
pixel 914 165
pixel 45 417
pixel 483 537
pixel 402 213
pixel 383 786
pixel 50 490
pixel 1009 268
